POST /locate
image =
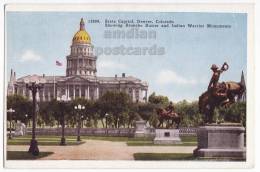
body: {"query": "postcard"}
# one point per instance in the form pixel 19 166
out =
pixel 128 86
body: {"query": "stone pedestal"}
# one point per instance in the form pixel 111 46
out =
pixel 20 129
pixel 225 140
pixel 167 136
pixel 140 128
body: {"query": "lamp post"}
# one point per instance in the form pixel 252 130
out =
pixel 82 123
pixel 79 107
pixel 62 101
pixel 34 86
pixel 106 115
pixel 10 128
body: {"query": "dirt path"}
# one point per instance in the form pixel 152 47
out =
pixel 102 150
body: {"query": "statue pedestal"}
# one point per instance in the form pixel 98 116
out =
pixel 167 136
pixel 140 128
pixel 225 140
pixel 20 129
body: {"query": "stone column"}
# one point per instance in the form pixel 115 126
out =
pixel 80 91
pixel 140 95
pixel 49 95
pixel 58 92
pixel 43 94
pixel 68 91
pixel 24 91
pixel 88 92
pixel 97 93
pixel 133 92
pixel 74 92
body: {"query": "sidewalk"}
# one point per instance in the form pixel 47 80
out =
pixel 101 150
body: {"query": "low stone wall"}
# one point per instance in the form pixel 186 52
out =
pixel 124 132
pixel 188 131
pixel 127 132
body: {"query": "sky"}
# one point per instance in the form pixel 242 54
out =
pixel 35 40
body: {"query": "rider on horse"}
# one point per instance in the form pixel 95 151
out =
pixel 218 90
pixel 170 109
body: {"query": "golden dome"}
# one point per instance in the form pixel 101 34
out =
pixel 81 36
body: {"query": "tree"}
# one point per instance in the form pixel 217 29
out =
pixel 53 111
pixel 189 113
pixel 21 105
pixel 159 100
pixel 46 114
pixel 234 113
pixel 146 110
pixel 116 104
pixel 89 113
pixel 132 114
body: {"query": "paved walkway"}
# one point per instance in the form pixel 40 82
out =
pixel 102 150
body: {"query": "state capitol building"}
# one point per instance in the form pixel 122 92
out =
pixel 80 80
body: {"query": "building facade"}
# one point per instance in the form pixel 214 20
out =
pixel 81 80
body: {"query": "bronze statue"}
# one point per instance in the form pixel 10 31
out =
pixel 214 86
pixel 168 115
pixel 170 108
pixel 219 94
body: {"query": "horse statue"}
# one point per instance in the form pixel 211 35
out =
pixel 165 115
pixel 210 99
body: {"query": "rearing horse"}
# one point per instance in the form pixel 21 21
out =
pixel 164 115
pixel 208 102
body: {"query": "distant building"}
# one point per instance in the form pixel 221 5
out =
pixel 243 82
pixel 80 80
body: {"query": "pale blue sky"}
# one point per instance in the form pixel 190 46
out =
pixel 35 40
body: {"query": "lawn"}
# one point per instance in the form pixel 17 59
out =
pixel 71 140
pixel 23 155
pixel 178 157
pixel 163 156
pixel 43 140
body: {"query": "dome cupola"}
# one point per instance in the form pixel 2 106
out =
pixel 81 60
pixel 81 37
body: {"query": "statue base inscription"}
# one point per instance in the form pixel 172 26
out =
pixel 225 140
pixel 167 136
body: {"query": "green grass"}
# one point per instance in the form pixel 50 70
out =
pixel 43 140
pixel 163 156
pixel 23 155
pixel 179 157
pixel 189 138
pixel 71 140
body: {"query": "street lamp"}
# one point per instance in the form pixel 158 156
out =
pixel 79 107
pixel 106 115
pixel 34 86
pixel 62 101
pixel 10 110
pixel 82 123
